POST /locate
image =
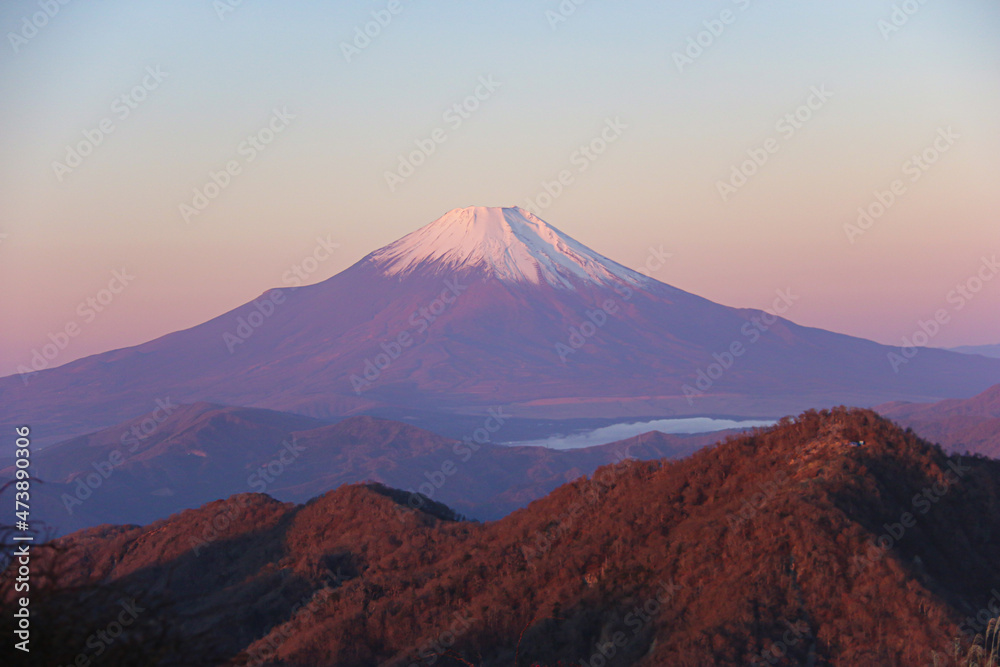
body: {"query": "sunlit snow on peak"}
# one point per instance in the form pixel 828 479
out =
pixel 510 243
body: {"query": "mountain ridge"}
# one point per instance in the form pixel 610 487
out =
pixel 960 425
pixel 363 341
pixel 148 468
pixel 708 560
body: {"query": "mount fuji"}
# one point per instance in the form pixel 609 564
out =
pixel 487 307
pixel 509 244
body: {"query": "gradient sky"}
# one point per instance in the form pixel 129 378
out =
pixel 323 175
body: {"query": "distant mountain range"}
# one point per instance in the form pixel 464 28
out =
pixel 969 425
pixel 187 455
pixel 488 307
pixel 785 547
pixel 992 351
pixel 183 456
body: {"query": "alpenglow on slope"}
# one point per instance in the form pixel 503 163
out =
pixel 488 307
pixel 509 244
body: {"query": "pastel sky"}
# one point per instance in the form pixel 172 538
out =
pixel 683 126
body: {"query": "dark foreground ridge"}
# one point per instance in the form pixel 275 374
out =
pixel 786 546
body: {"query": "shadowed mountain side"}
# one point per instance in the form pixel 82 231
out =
pixel 481 481
pixel 764 549
pixel 184 456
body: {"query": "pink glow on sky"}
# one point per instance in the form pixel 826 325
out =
pixel 654 185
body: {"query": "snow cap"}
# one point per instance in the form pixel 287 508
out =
pixel 511 244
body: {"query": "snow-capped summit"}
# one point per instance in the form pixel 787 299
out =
pixel 486 307
pixel 511 244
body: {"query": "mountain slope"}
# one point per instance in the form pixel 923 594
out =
pixel 187 455
pixel 959 425
pixel 487 307
pixel 762 550
pixel 985 350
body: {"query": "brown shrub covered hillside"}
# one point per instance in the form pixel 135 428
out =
pixel 788 546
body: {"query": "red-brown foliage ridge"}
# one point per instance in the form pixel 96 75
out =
pixel 786 546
